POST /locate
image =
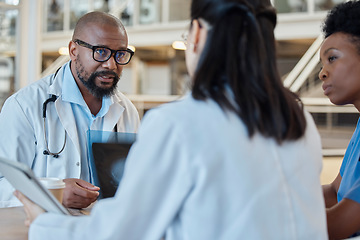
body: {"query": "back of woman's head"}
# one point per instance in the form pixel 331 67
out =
pixel 240 54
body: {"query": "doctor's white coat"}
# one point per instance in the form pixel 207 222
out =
pixel 22 131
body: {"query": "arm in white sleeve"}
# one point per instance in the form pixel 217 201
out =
pixel 17 143
pixel 156 181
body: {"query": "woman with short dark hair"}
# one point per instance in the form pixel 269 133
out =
pixel 340 58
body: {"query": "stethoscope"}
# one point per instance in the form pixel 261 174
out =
pixel 52 98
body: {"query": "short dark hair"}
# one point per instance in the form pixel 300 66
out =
pixel 240 54
pixel 345 18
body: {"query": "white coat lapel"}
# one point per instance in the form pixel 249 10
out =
pixel 67 119
pixel 63 109
pixel 112 116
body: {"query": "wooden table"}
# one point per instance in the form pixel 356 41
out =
pixel 12 224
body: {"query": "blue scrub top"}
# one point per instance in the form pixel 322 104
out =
pixel 350 170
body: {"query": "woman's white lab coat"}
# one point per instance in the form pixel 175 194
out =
pixel 193 173
pixel 22 131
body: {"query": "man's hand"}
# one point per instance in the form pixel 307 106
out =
pixel 31 209
pixel 79 193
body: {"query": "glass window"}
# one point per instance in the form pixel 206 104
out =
pixel 127 14
pixel 124 9
pixel 8 39
pixel 102 5
pixel 324 5
pixel 8 22
pixel 290 6
pixel 55 15
pixel 179 10
pixel 78 9
pixel 150 11
pixel 11 2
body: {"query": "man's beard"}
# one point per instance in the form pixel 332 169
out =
pixel 99 92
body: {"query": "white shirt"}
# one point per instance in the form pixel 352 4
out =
pixel 22 128
pixel 193 173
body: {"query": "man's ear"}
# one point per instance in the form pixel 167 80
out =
pixel 72 50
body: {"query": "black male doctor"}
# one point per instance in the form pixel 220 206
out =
pixel 44 125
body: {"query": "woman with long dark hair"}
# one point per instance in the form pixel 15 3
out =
pixel 237 158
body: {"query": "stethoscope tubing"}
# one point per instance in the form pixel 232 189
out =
pixel 47 151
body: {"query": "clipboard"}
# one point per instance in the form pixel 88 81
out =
pixel 22 178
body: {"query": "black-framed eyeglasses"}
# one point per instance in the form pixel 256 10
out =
pixel 102 54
